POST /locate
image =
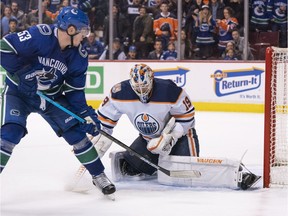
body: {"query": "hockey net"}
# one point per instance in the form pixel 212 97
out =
pixel 276 118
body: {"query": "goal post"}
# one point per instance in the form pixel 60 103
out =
pixel 276 118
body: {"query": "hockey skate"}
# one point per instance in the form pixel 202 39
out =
pixel 248 180
pixel 104 184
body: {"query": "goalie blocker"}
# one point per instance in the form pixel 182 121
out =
pixel 215 172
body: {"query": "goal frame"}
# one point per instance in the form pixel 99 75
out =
pixel 269 122
pixel 267 116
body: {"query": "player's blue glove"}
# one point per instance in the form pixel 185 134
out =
pixel 92 124
pixel 27 79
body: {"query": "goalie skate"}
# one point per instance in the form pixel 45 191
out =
pixel 248 180
pixel 103 184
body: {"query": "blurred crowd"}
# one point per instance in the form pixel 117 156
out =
pixel 148 29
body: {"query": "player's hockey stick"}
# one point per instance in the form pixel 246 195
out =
pixel 171 173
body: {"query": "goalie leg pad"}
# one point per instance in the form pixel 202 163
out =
pixel 215 172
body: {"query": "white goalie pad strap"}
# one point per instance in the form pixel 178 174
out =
pixel 101 143
pixel 215 172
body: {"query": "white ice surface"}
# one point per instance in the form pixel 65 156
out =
pixel 33 183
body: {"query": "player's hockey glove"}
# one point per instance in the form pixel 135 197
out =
pixel 92 124
pixel 28 79
pixel 163 145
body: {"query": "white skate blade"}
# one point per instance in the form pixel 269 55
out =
pixel 110 196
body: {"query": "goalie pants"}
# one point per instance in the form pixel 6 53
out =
pixel 187 145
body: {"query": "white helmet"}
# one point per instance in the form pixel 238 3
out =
pixel 141 80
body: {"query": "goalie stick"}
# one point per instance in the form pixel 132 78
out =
pixel 171 173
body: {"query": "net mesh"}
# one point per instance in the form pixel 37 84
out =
pixel 279 118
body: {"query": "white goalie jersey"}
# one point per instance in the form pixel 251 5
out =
pixel 167 100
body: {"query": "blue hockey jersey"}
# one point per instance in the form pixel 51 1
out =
pixel 63 70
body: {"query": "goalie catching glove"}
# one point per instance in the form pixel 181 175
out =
pixel 92 124
pixel 163 145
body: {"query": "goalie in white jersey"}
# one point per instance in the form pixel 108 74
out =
pixel 163 114
pixel 150 103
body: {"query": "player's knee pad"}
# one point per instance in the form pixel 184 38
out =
pixel 6 146
pixel 73 135
pixel 12 133
pixel 83 144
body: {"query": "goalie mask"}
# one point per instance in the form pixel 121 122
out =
pixel 141 80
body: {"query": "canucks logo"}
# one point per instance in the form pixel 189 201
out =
pixel 46 78
pixel 146 124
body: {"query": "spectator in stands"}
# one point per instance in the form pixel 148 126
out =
pixel 97 14
pixel 186 5
pixel 52 15
pixel 31 22
pixel 65 3
pixel 2 9
pixel 32 6
pixel 238 8
pixel 154 8
pixel 170 53
pixel 172 5
pixel 239 46
pixel 225 28
pixel 158 51
pixel 216 7
pixel 13 26
pixel 229 45
pixel 118 53
pixel 131 11
pixel 5 20
pixel 279 20
pixel 230 55
pixel 185 45
pixel 204 27
pixel 190 23
pixel 132 54
pixel 120 26
pixel 19 14
pixel 93 47
pixel 165 25
pixel 35 14
pixel 260 11
pixel 27 5
pixel 143 34
pixel 149 3
pixel 54 6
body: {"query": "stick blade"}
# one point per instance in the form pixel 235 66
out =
pixel 185 173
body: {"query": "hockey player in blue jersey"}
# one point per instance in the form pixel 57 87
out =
pixel 51 59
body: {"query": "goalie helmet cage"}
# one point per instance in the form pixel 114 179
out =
pixel 276 118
